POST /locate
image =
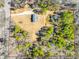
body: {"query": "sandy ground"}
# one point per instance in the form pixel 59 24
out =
pixel 25 23
pixel 23 19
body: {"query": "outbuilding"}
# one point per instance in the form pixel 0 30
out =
pixel 34 18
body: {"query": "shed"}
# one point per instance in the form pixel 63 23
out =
pixel 34 18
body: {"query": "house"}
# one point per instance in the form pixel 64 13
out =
pixel 34 18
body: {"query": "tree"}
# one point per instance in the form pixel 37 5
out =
pixel 46 33
pixel 65 31
pixel 18 33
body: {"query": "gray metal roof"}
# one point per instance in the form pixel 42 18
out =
pixel 34 17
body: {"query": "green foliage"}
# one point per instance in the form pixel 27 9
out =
pixel 49 45
pixel 37 51
pixel 48 5
pixel 19 34
pixel 59 42
pixel 17 38
pixel 69 32
pixel 62 38
pixel 48 54
pixel 42 5
pixel 70 46
pixel 17 29
pixel 67 17
pixel 50 30
pixel 46 33
pixel 27 45
pixel 67 26
pixel 65 31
